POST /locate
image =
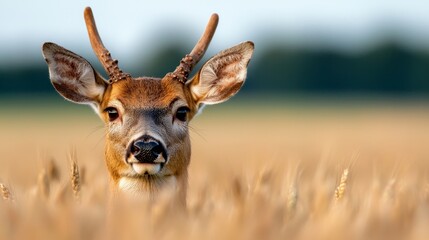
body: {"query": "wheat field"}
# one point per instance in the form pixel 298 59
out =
pixel 257 172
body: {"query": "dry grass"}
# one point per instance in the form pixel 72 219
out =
pixel 292 175
pixel 5 192
pixel 75 176
pixel 341 189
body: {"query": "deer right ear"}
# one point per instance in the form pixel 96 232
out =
pixel 222 75
pixel 72 76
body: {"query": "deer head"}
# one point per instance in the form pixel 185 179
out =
pixel 147 141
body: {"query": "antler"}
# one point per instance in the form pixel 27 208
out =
pixel 103 55
pixel 190 60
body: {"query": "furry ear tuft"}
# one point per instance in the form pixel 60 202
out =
pixel 72 76
pixel 222 76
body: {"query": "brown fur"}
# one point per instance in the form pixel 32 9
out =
pixel 154 94
pixel 147 107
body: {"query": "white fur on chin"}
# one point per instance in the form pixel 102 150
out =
pixel 146 168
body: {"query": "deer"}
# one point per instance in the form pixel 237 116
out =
pixel 147 142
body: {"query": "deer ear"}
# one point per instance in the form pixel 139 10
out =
pixel 72 76
pixel 222 76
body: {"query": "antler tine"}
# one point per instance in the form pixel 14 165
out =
pixel 103 55
pixel 202 44
pixel 190 60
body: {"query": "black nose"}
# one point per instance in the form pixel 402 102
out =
pixel 146 151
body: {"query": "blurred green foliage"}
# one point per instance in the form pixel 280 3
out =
pixel 386 69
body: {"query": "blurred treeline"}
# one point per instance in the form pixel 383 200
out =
pixel 387 68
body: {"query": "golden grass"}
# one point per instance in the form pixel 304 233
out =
pixel 255 174
pixel 341 189
pixel 5 192
pixel 75 176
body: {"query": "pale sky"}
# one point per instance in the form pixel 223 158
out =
pixel 127 27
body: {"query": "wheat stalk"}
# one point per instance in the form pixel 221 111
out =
pixel 43 183
pixel 292 195
pixel 263 178
pixel 341 188
pixel 52 170
pixel 5 192
pixel 75 178
pixel 292 199
pixel 389 190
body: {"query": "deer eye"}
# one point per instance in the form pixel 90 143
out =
pixel 112 112
pixel 182 113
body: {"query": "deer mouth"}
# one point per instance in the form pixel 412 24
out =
pixel 147 168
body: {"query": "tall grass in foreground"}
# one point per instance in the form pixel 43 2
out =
pixel 264 206
pixel 285 177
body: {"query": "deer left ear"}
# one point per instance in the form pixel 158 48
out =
pixel 222 76
pixel 72 76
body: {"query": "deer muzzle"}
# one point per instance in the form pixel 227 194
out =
pixel 147 155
